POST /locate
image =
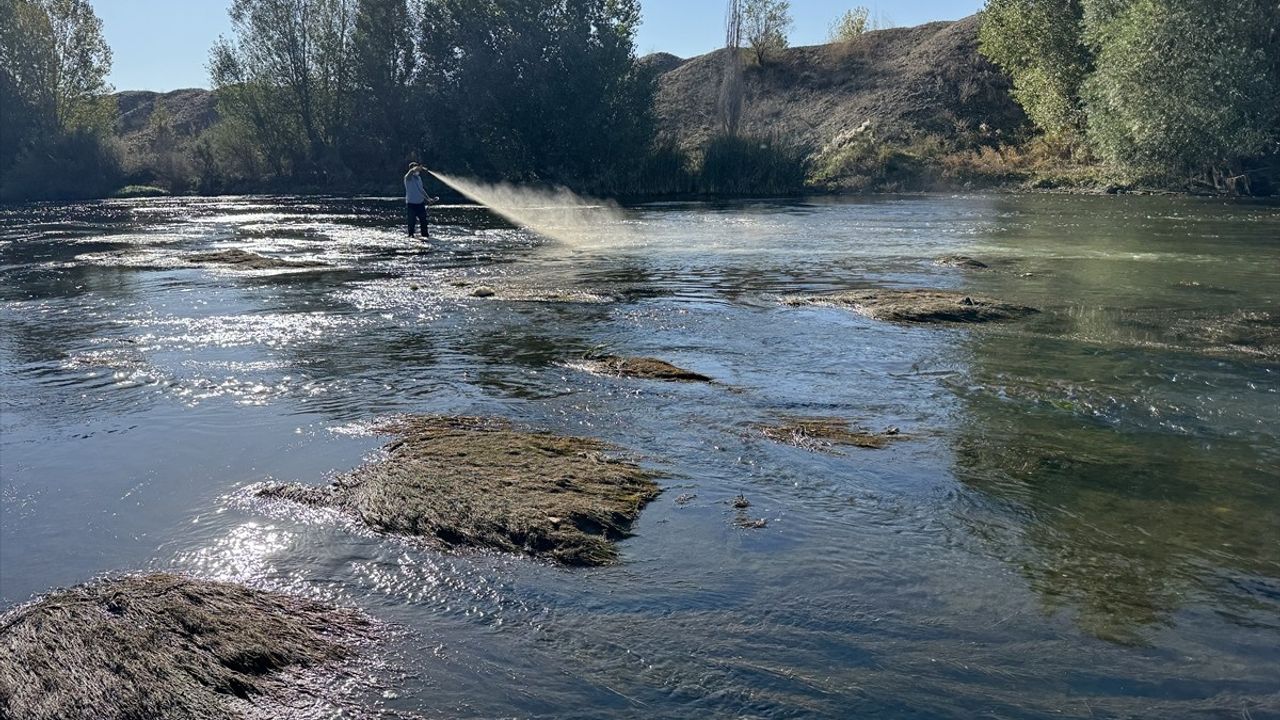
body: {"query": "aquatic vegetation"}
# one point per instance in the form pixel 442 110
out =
pixel 917 306
pixel 528 293
pixel 821 434
pixel 480 482
pixel 245 260
pixel 638 367
pixel 167 646
pixel 961 261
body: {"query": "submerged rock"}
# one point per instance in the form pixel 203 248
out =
pixel 1247 332
pixel 529 293
pixel 820 434
pixel 168 646
pixel 245 260
pixel 918 306
pixel 639 367
pixel 480 482
pixel 961 261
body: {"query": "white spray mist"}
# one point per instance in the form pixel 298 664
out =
pixel 553 213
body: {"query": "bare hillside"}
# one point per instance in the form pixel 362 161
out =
pixel 190 112
pixel 927 79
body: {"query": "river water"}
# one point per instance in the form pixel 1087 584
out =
pixel 1083 519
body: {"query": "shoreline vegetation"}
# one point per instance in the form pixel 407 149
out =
pixel 1024 96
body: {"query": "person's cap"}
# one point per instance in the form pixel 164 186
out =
pixel 413 165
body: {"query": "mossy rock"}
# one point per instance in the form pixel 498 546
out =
pixel 244 260
pixel 166 646
pixel 822 434
pixel 918 306
pixel 640 367
pixel 480 482
pixel 963 262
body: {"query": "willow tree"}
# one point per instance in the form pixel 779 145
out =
pixel 1040 44
pixel 285 79
pixel 1185 90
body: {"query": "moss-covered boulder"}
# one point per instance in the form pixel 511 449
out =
pixel 639 367
pixel 917 306
pixel 481 482
pixel 167 646
pixel 822 434
pixel 963 262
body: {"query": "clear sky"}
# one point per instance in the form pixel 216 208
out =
pixel 164 44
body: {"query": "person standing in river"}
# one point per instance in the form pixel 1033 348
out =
pixel 416 199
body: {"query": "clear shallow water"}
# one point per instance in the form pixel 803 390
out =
pixel 1084 521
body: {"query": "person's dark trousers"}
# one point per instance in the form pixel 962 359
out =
pixel 417 212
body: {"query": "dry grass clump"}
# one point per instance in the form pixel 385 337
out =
pixel 639 367
pixel 480 482
pixel 918 306
pixel 238 259
pixel 821 434
pixel 163 646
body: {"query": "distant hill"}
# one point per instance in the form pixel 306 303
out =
pixel 191 112
pixel 926 79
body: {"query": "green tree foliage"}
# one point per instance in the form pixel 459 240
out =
pixel 849 26
pixel 1184 89
pixel 383 92
pixel 535 88
pixel 285 76
pixel 1168 92
pixel 53 96
pixel 1039 43
pixel 81 62
pixel 766 24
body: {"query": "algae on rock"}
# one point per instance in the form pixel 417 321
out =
pixel 820 434
pixel 639 367
pixel 166 646
pixel 480 482
pixel 244 260
pixel 917 306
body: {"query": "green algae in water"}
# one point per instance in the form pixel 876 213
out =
pixel 168 646
pixel 480 482
pixel 918 306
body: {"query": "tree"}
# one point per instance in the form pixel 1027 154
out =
pixel 53 97
pixel 81 62
pixel 850 26
pixel 766 24
pixel 535 89
pixel 1040 44
pixel 731 85
pixel 1184 88
pixel 384 64
pixel 286 76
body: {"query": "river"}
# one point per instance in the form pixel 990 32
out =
pixel 1082 518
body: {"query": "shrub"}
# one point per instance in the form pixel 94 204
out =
pixel 733 165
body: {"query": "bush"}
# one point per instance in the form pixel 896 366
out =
pixel 733 165
pixel 72 166
pixel 140 191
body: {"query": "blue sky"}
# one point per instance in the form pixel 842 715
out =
pixel 164 44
